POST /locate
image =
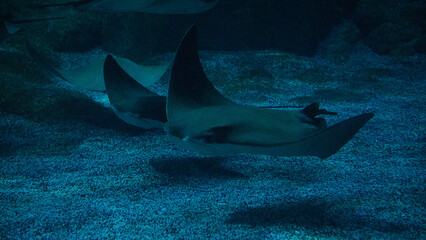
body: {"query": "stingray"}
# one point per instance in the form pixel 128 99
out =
pixel 202 120
pixel 147 6
pixel 132 102
pixel 90 76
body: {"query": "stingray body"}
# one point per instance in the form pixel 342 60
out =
pixel 203 120
pixel 90 76
pixel 132 102
pixel 147 6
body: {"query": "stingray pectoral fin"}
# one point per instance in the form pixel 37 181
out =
pixel 132 102
pixel 330 140
pixel 120 85
pixel 321 144
pixel 189 87
pixel 144 75
pixel 88 77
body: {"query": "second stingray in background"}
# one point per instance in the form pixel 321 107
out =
pixel 90 76
pixel 124 82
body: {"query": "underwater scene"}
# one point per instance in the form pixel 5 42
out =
pixel 212 119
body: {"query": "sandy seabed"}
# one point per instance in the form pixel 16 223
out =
pixel 71 170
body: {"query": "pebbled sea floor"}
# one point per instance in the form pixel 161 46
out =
pixel 70 169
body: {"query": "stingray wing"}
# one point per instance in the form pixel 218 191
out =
pixel 88 77
pixel 145 75
pixel 132 102
pixel 324 143
pixel 189 87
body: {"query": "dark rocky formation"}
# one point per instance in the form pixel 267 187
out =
pixel 393 27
